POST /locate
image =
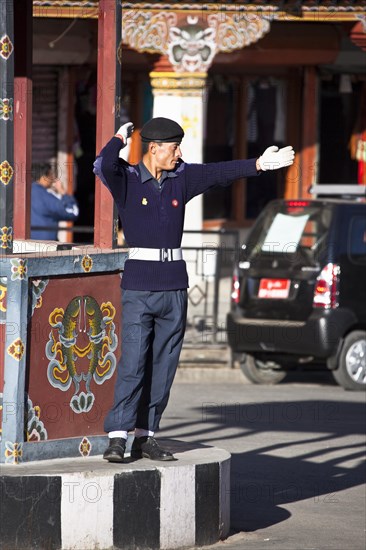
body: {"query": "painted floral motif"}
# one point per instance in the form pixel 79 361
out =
pixel 6 237
pixel 38 288
pixel 6 47
pixel 16 349
pixel 35 427
pixel 13 452
pixel 87 263
pixel 3 293
pixel 6 108
pixel 18 269
pixel 85 447
pixel 66 356
pixel 82 402
pixel 6 172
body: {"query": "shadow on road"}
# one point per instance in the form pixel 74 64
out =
pixel 315 455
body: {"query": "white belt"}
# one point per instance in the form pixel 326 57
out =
pixel 156 254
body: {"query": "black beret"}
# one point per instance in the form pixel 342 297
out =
pixel 162 129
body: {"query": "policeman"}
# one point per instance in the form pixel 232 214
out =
pixel 151 199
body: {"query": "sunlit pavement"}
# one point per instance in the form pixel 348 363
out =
pixel 297 466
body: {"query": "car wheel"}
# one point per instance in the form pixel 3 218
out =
pixel 351 371
pixel 261 372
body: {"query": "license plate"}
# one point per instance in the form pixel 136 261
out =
pixel 274 288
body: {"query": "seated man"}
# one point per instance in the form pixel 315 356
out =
pixel 50 204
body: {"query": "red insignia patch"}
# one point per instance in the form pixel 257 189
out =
pixel 175 203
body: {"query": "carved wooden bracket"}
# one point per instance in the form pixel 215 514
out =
pixel 191 40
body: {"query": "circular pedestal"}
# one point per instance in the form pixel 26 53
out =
pixel 88 503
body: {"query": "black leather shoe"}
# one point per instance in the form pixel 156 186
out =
pixel 116 449
pixel 148 447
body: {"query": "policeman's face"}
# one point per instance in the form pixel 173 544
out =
pixel 167 155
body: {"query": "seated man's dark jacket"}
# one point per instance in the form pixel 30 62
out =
pixel 47 209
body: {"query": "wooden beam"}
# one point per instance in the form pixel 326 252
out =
pixel 311 14
pixel 276 57
pixel 290 44
pixel 108 81
pixel 239 189
pixel 309 154
pixel 65 139
pixel 70 12
pixel 293 116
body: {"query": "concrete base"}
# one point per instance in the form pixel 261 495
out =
pixel 88 503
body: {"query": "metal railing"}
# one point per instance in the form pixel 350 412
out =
pixel 203 320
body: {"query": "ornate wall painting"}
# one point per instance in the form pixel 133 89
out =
pixel 74 350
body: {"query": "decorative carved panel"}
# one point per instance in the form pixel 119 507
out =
pixel 191 40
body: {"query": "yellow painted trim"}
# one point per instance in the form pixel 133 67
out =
pixel 65 12
pixel 321 15
pixel 172 74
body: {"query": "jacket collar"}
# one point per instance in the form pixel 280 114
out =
pixel 146 175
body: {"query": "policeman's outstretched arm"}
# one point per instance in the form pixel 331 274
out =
pixel 274 158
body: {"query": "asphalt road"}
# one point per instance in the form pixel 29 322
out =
pixel 297 466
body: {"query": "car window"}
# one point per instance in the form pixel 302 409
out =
pixel 284 233
pixel 290 227
pixel 357 240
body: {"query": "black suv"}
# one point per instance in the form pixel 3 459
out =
pixel 299 289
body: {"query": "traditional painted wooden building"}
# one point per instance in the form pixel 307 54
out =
pixel 238 76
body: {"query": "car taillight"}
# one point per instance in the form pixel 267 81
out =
pixel 297 203
pixel 326 287
pixel 235 288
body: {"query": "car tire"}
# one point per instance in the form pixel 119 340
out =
pixel 261 372
pixel 351 370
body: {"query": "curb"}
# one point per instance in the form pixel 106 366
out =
pixel 88 504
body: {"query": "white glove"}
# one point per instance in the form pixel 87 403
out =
pixel 125 131
pixel 274 158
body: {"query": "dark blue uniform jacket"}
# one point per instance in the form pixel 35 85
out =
pixel 154 219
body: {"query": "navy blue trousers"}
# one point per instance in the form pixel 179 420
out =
pixel 153 326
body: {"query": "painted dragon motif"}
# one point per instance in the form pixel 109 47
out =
pixel 83 314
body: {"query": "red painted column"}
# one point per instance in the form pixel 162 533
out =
pixel 109 31
pixel 309 156
pixel 23 30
